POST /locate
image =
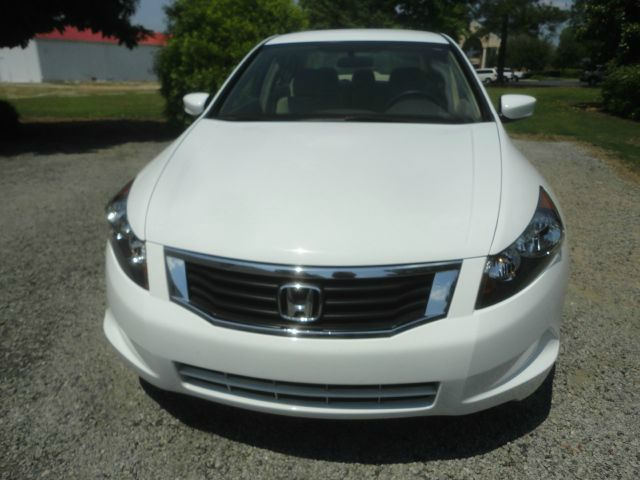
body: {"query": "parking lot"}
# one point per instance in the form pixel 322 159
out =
pixel 71 409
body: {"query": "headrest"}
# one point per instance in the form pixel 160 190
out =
pixel 363 78
pixel 412 78
pixel 407 78
pixel 315 82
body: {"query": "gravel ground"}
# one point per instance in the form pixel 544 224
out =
pixel 70 409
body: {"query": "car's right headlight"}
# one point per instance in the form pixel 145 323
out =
pixel 511 270
pixel 129 249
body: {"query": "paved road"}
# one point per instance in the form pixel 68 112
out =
pixel 70 409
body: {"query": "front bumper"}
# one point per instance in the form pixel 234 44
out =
pixel 478 358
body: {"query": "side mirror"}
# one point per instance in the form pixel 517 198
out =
pixel 194 103
pixel 516 107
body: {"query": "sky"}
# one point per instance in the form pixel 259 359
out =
pixel 564 4
pixel 151 15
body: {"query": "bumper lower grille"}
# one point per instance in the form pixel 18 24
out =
pixel 359 301
pixel 400 396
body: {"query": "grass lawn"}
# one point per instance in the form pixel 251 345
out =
pixel 49 102
pixel 570 112
pixel 574 112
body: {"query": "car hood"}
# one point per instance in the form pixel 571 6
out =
pixel 330 193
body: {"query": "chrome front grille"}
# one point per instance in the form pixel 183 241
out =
pixel 357 302
pixel 398 396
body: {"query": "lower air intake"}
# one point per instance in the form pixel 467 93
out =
pixel 392 396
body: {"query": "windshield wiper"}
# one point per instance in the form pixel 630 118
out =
pixel 400 119
pixel 366 118
pixel 338 118
pixel 278 118
pixel 240 118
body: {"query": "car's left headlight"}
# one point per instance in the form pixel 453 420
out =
pixel 511 270
pixel 130 251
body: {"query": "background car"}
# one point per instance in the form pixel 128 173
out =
pixel 510 75
pixel 521 74
pixel 593 75
pixel 487 75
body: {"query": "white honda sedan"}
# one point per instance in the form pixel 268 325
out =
pixel 345 231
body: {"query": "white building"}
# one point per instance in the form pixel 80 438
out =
pixel 480 48
pixel 79 55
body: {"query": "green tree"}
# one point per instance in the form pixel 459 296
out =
pixel 508 17
pixel 615 27
pixel 209 37
pixel 472 46
pixel 23 20
pixel 528 51
pixel 350 13
pixel 571 51
pixel 447 16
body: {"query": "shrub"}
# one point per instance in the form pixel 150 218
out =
pixel 209 37
pixel 621 91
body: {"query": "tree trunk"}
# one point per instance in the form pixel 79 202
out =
pixel 502 51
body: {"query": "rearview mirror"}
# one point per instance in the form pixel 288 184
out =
pixel 194 103
pixel 516 107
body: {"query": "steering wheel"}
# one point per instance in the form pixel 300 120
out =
pixel 413 93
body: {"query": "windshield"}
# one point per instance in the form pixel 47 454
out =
pixel 413 82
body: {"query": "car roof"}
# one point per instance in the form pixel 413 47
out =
pixel 358 35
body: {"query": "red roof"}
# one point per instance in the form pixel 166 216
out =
pixel 72 34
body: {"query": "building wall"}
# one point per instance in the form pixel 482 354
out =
pixel 62 60
pixel 20 64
